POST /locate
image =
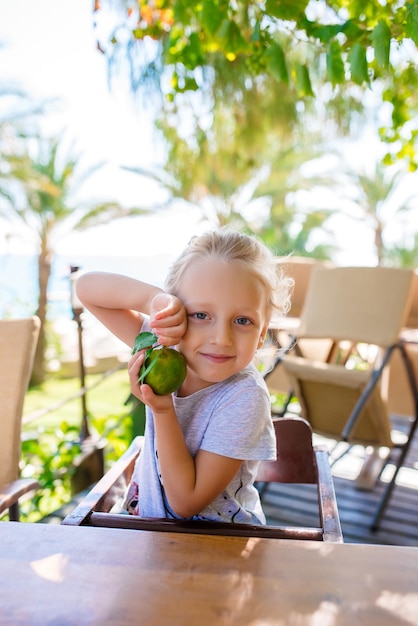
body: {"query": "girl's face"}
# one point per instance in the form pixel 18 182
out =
pixel 227 321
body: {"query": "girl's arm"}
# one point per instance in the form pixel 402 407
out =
pixel 191 484
pixel 119 302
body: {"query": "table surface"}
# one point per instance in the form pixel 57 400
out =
pixel 64 576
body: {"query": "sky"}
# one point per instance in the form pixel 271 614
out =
pixel 49 49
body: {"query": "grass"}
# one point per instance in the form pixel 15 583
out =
pixel 107 398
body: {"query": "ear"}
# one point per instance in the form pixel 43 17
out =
pixel 262 336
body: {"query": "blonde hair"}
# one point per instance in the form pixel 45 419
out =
pixel 236 247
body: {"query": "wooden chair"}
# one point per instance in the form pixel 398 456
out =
pixel 362 310
pixel 18 338
pixel 297 462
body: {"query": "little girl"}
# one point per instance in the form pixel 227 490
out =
pixel 202 443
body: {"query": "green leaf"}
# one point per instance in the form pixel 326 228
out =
pixel 145 370
pixel 381 43
pixel 182 11
pixel 323 32
pixel 303 81
pixel 212 15
pixel 143 340
pixel 411 25
pixel 335 63
pixel 285 10
pixel 192 53
pixel 276 63
pixel 352 30
pixel 358 64
pixel 255 37
pixel 234 41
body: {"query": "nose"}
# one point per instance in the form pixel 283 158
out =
pixel 222 333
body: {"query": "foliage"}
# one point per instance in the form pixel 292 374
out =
pixel 47 456
pixel 51 448
pixel 181 45
pixel 50 456
pixel 238 158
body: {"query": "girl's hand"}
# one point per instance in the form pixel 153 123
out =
pixel 168 319
pixel 144 393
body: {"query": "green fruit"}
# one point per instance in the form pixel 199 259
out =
pixel 168 370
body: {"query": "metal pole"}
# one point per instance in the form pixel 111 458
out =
pixel 84 427
pixel 89 467
pixel 77 317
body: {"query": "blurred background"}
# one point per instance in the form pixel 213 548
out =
pixel 126 127
pixel 110 162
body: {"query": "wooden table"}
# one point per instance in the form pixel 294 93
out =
pixel 54 575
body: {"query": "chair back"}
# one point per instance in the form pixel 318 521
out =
pixel 295 462
pixel 358 304
pixel 18 339
pixel 300 269
pixel 412 319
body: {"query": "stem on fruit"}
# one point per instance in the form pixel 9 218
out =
pixel 145 370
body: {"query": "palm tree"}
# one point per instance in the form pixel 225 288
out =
pixel 18 117
pixel 377 202
pixel 288 228
pixel 49 211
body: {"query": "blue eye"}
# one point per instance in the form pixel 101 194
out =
pixel 243 321
pixel 200 316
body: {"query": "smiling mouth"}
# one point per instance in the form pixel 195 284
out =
pixel 217 358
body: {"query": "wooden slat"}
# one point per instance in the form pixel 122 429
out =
pixel 109 520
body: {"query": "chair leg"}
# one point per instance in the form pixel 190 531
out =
pixel 388 491
pixel 340 455
pixel 14 512
pixel 405 449
pixel 371 470
pixel 384 500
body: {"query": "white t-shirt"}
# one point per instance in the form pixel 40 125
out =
pixel 231 418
